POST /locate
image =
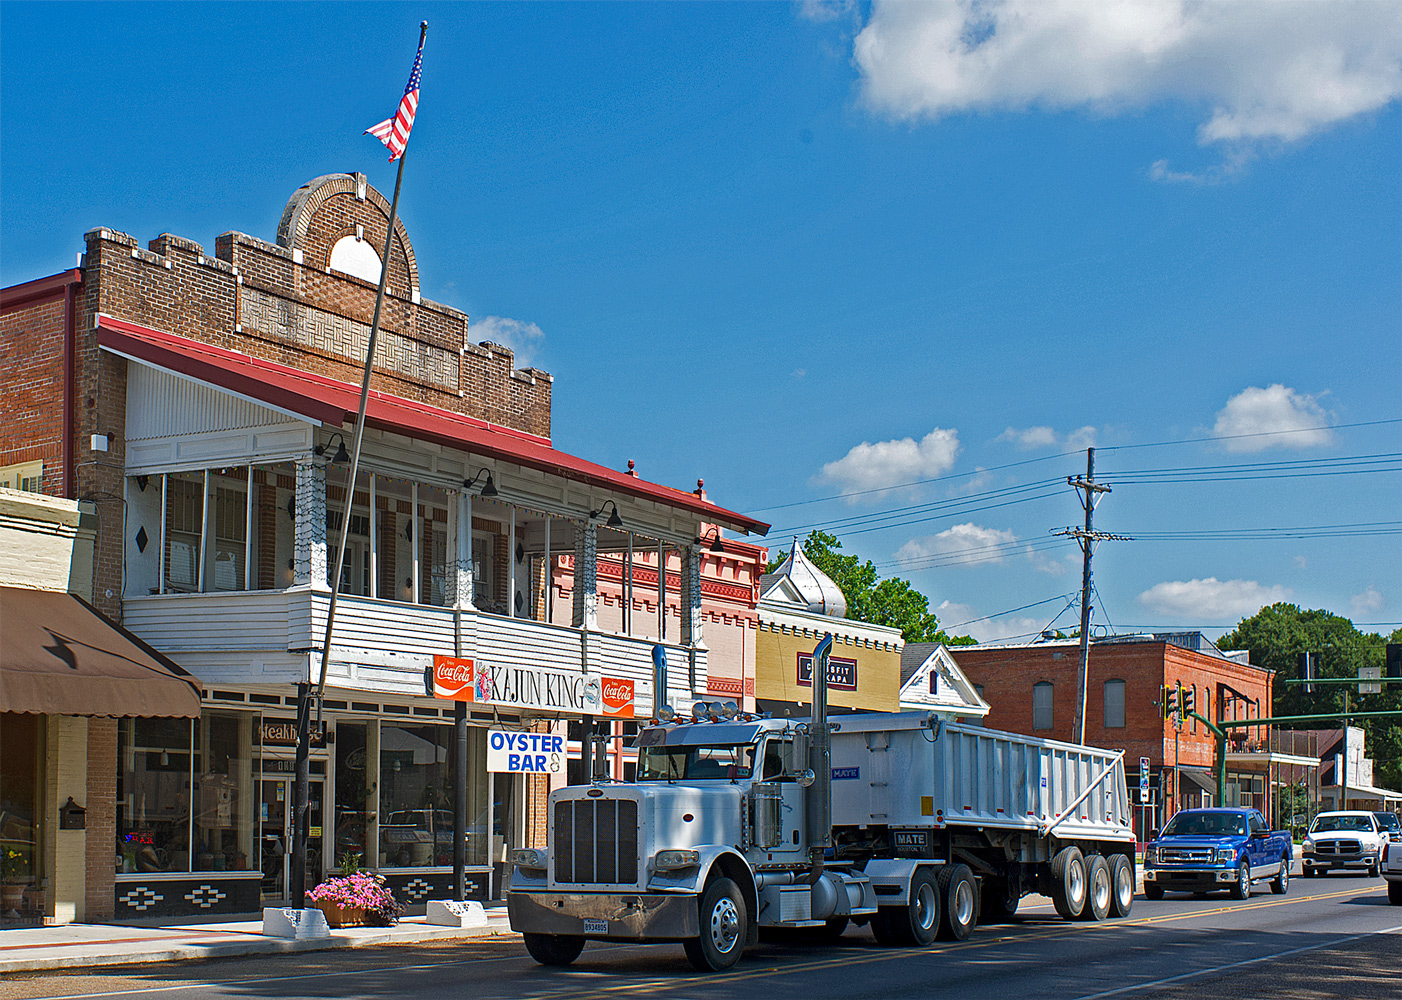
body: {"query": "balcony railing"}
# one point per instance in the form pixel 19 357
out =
pixel 384 646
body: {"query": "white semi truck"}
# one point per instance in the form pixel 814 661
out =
pixel 738 823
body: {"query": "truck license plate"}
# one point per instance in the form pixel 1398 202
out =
pixel 596 926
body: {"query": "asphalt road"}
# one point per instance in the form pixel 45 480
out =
pixel 1331 937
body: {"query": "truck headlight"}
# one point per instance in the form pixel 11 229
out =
pixel 672 860
pixel 1226 855
pixel 529 858
pixel 1308 844
pixel 1151 855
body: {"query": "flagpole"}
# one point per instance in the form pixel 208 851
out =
pixel 302 793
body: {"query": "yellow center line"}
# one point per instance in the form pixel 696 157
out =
pixel 847 959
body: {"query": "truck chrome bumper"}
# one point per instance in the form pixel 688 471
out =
pixel 1170 876
pixel 631 916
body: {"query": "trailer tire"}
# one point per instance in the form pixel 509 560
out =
pixel 1281 883
pixel 554 949
pixel 1152 891
pixel 998 900
pixel 959 902
pixel 1068 882
pixel 917 923
pixel 1100 890
pixel 724 928
pixel 1121 885
pixel 1242 888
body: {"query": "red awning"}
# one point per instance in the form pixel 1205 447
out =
pixel 330 401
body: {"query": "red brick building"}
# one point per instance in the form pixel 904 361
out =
pixel 199 403
pixel 1034 689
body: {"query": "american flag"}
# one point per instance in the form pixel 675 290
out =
pixel 394 132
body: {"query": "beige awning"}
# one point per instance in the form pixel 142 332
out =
pixel 60 656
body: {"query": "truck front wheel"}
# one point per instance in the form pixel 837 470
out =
pixel 1242 889
pixel 1068 882
pixel 918 921
pixel 1281 883
pixel 1152 891
pixel 724 923
pixel 554 949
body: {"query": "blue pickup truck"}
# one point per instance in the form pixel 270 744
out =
pixel 1200 850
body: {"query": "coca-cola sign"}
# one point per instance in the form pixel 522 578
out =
pixel 617 695
pixel 453 678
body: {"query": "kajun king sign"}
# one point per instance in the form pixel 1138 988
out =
pixel 566 691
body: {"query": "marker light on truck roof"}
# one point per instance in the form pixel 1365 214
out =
pixel 729 710
pixel 666 713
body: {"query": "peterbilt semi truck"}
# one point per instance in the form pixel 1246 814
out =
pixel 738 823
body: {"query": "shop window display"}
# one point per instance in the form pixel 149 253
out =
pixel 416 797
pixel 21 818
pixel 154 781
pixel 223 791
pixel 353 784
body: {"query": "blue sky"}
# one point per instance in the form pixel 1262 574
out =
pixel 812 251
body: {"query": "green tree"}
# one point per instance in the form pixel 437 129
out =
pixel 1276 635
pixel 892 601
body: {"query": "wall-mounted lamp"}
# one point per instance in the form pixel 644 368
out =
pixel 292 507
pixel 489 488
pixel 341 454
pixel 714 535
pixel 614 520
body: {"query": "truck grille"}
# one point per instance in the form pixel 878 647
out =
pixel 1337 847
pixel 1186 855
pixel 596 841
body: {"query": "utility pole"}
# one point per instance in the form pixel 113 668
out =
pixel 1089 492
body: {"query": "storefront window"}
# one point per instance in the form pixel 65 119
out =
pixel 223 794
pixel 417 793
pixel 354 781
pixel 21 790
pixel 153 795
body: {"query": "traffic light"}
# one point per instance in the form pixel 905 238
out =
pixel 1394 660
pixel 1168 698
pixel 1187 696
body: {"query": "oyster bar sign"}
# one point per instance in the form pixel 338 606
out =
pixel 462 679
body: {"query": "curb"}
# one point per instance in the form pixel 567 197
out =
pixel 255 945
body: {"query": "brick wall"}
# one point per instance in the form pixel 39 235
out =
pixel 101 817
pixel 1007 675
pixel 31 360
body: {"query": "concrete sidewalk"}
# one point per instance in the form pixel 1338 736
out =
pixel 29 949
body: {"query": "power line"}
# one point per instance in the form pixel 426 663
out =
pixel 1010 611
pixel 880 515
pixel 1257 434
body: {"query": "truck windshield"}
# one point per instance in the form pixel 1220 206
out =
pixel 1353 824
pixel 1205 825
pixel 673 763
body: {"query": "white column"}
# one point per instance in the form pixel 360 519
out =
pixel 374 540
pixel 206 557
pixel 415 546
pixel 586 576
pixel 462 565
pixel 511 566
pixel 248 574
pixel 309 527
pixel 549 572
pixel 691 596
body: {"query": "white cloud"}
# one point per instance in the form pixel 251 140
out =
pixel 826 10
pixel 1257 71
pixel 891 463
pixel 1367 602
pixel 1282 417
pixel 1301 562
pixel 1030 438
pixel 522 337
pixel 961 545
pixel 1211 598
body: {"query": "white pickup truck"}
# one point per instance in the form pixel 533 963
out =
pixel 1345 839
pixel 1392 871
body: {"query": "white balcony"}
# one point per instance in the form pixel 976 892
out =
pixel 383 646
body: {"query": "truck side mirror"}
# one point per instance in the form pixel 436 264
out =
pixel 1153 834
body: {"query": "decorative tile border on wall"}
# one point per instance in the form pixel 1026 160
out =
pixel 186 895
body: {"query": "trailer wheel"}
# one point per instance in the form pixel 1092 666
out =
pixel 724 923
pixel 1242 888
pixel 554 949
pixel 1152 891
pixel 959 912
pixel 1099 889
pixel 1122 885
pixel 998 900
pixel 917 922
pixel 1068 877
pixel 1281 883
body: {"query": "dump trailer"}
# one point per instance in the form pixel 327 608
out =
pixel 918 827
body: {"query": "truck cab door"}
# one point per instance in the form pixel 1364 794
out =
pixel 1258 841
pixel 779 765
